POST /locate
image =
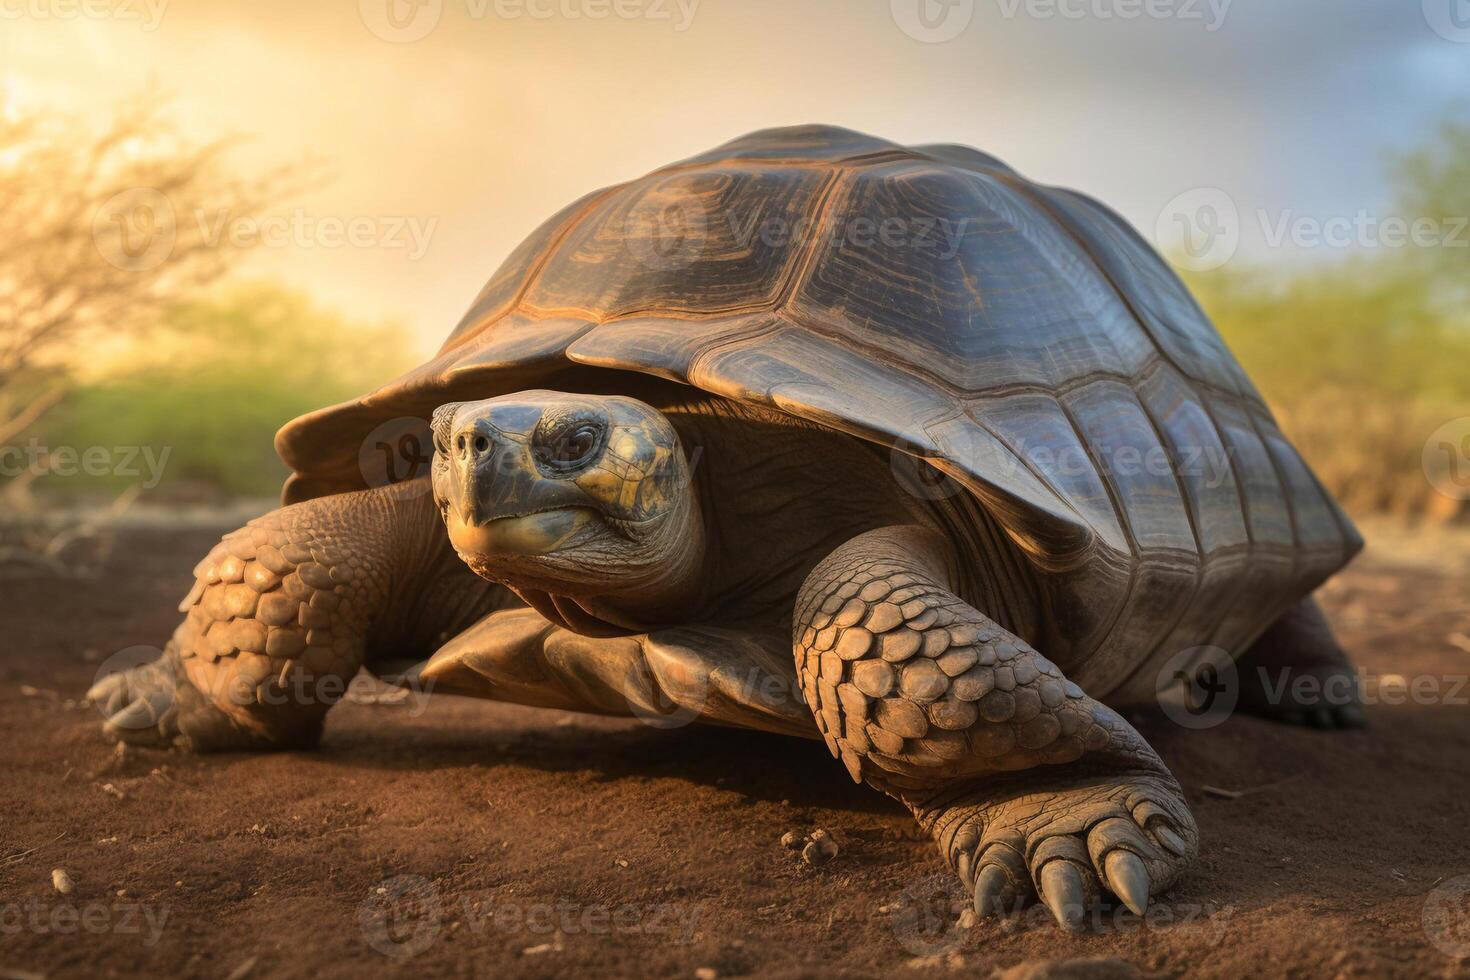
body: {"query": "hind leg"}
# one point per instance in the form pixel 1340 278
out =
pixel 1297 673
pixel 1030 787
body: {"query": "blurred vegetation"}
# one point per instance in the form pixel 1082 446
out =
pixel 217 377
pixel 98 237
pixel 1364 355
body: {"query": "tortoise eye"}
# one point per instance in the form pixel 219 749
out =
pixel 572 446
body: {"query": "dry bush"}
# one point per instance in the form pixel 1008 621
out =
pixel 1369 452
pixel 99 229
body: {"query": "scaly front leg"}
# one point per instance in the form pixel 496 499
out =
pixel 1030 787
pixel 281 615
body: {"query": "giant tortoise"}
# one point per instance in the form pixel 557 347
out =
pixel 818 434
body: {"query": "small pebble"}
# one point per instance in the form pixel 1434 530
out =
pixel 792 841
pixel 820 849
pixel 969 919
pixel 706 973
pixel 61 881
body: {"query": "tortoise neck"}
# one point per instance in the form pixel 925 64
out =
pixel 671 594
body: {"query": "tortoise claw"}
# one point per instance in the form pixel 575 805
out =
pixel 994 893
pixel 1171 841
pixel 1064 891
pixel 1128 879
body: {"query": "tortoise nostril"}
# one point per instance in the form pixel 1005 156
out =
pixel 482 445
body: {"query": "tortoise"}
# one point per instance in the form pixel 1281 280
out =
pixel 815 434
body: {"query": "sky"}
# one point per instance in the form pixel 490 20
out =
pixel 449 129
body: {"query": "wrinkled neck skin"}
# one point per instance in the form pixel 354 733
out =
pixel 581 589
pixel 415 585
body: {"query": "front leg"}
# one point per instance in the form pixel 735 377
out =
pixel 670 677
pixel 1030 787
pixel 283 613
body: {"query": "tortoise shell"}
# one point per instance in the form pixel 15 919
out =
pixel 1024 340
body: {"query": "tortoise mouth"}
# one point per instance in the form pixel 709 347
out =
pixel 538 532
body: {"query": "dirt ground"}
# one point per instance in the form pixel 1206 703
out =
pixel 460 838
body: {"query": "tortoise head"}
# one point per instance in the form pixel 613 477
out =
pixel 572 494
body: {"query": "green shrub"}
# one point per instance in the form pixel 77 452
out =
pixel 216 379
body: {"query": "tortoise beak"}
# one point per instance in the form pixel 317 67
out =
pixel 496 500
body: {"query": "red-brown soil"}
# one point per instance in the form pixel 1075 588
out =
pixel 557 844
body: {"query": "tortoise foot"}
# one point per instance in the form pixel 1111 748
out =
pixel 1325 697
pixel 1297 673
pixel 158 705
pixel 1068 839
pixel 140 705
